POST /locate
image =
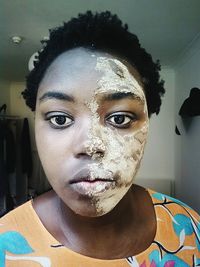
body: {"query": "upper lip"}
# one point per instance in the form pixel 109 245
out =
pixel 85 175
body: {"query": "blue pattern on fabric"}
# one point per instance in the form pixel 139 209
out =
pixel 14 243
pixel 184 223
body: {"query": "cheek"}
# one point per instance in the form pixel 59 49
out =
pixel 51 142
pixel 52 151
pixel 124 154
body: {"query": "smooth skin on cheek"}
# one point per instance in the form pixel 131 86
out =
pixel 50 148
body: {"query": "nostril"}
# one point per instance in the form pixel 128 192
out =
pixel 95 151
pixel 83 155
pixel 98 155
pixel 94 155
pixel 93 148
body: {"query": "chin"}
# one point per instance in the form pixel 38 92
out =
pixel 90 214
pixel 97 209
pixel 96 205
pixel 93 213
pixel 93 209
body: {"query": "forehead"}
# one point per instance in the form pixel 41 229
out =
pixel 76 63
pixel 94 71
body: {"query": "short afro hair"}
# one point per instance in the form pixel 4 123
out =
pixel 104 32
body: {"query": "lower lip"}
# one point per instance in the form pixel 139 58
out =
pixel 91 188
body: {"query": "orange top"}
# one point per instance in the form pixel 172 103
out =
pixel 24 241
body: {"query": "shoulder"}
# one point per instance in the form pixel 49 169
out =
pixel 176 218
pixel 12 237
pixel 26 214
pixel 15 219
pixel 173 204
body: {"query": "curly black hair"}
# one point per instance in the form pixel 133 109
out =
pixel 104 32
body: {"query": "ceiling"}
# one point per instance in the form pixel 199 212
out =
pixel 165 27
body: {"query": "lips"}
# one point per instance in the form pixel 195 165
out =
pixel 86 184
pixel 85 175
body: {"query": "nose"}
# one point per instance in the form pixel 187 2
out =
pixel 94 147
pixel 89 143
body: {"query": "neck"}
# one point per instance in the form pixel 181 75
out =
pixel 126 230
pixel 78 232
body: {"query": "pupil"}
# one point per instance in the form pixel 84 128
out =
pixel 119 119
pixel 60 120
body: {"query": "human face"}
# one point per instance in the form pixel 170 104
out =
pixel 91 126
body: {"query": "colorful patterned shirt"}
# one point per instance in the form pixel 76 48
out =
pixel 24 241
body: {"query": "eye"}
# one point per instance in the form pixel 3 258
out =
pixel 121 119
pixel 59 120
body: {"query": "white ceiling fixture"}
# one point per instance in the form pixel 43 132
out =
pixel 17 39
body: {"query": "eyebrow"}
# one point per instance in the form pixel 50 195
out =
pixel 122 95
pixel 56 95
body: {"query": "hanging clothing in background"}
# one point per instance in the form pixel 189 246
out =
pixel 7 151
pixel 26 153
pixel 24 161
pixel 15 162
pixel 7 165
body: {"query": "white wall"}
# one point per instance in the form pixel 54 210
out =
pixel 187 71
pixel 158 161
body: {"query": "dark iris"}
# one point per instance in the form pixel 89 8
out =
pixel 60 120
pixel 119 119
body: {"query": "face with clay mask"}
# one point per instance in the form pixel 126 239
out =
pixel 91 126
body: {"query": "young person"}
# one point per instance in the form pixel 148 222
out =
pixel 93 90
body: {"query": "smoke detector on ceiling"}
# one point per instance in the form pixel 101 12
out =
pixel 16 39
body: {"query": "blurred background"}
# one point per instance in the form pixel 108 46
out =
pixel 168 29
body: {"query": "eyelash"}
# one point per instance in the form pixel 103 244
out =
pixel 53 116
pixel 125 115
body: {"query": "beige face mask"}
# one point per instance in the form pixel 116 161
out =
pixel 120 154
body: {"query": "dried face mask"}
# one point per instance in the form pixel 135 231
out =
pixel 116 156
